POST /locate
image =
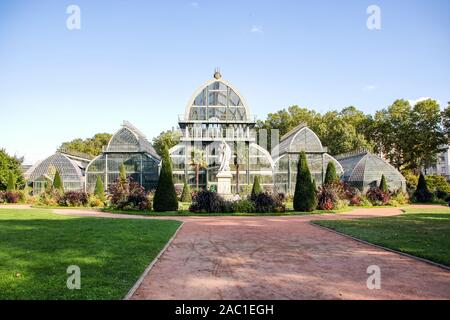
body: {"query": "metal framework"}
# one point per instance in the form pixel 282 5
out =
pixel 363 170
pixel 71 170
pixel 287 154
pixel 217 112
pixel 130 147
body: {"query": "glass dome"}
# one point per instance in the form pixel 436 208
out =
pixel 216 101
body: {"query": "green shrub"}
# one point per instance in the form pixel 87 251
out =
pixel 165 198
pixel 11 182
pixel 95 202
pixel 243 206
pixel 186 195
pixel 57 182
pixel 383 184
pixel 411 179
pixel 256 189
pixel 99 190
pixel 437 182
pixel 50 198
pixel 398 198
pixel 422 194
pixel 331 175
pixel 305 198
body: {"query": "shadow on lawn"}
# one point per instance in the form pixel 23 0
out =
pixel 111 254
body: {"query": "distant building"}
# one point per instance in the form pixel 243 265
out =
pixel 130 147
pixel 442 165
pixel 70 167
pixel 363 170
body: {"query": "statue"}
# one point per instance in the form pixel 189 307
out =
pixel 224 157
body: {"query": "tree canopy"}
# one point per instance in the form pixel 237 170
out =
pixel 408 136
pixel 169 139
pixel 91 146
pixel 10 165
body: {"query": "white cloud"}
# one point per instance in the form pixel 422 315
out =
pixel 369 87
pixel 256 29
pixel 414 102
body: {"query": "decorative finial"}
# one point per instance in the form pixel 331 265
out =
pixel 217 74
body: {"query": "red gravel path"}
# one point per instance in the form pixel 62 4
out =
pixel 283 258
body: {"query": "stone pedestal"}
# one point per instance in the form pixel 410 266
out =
pixel 224 184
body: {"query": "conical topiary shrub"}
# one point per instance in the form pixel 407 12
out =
pixel 57 182
pixel 99 190
pixel 165 196
pixel 305 198
pixel 11 186
pixel 383 184
pixel 422 194
pixel 256 189
pixel 186 195
pixel 331 175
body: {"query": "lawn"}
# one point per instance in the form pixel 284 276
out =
pixel 421 232
pixel 37 246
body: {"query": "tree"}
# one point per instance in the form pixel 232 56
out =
pixel 331 175
pixel 10 165
pixel 165 196
pixel 305 198
pixel 186 195
pixel 122 172
pixel 169 139
pixel 198 162
pixel 11 182
pixel 409 136
pixel 427 134
pixel 341 132
pixel 90 146
pixel 57 182
pixel 256 189
pixel 383 184
pixel 99 190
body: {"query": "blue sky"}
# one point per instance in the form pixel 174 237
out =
pixel 142 60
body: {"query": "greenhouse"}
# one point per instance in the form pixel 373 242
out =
pixel 363 170
pixel 286 156
pixel 130 147
pixel 218 113
pixel 71 169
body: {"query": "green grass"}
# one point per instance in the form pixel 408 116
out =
pixel 421 232
pixel 37 246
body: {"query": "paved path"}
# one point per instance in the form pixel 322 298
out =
pixel 280 258
pixel 283 258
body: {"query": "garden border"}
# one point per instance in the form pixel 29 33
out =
pixel 151 265
pixel 436 264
